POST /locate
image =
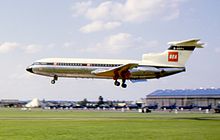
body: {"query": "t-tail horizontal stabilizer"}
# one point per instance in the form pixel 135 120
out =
pixel 187 43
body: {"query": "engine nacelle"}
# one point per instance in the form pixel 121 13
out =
pixel 146 69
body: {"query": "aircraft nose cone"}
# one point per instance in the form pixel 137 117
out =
pixel 29 70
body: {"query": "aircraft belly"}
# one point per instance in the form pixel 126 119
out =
pixel 64 71
pixel 71 72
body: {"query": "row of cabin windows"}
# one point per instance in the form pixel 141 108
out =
pixel 78 64
pixel 84 64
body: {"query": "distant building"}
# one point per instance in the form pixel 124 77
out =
pixel 11 103
pixel 197 97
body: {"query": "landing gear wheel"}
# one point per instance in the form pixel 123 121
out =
pixel 117 83
pixel 124 85
pixel 53 81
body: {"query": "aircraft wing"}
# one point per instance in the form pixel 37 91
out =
pixel 116 70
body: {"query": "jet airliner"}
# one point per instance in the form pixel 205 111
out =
pixel 157 65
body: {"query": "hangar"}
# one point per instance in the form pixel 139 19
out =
pixel 186 97
pixel 11 103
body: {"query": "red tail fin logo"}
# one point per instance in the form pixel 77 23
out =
pixel 173 56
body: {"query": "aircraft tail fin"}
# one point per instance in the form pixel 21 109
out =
pixel 177 54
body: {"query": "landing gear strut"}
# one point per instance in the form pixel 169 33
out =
pixel 55 78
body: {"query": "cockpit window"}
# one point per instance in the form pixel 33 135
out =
pixel 36 63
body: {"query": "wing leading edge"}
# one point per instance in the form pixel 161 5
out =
pixel 116 72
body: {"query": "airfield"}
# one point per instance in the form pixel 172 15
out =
pixel 39 124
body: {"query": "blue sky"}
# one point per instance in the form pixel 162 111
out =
pixel 125 29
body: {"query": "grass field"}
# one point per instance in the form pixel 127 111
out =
pixel 90 125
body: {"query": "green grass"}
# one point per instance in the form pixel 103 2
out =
pixel 84 125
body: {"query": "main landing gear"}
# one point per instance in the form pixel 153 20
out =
pixel 55 78
pixel 123 85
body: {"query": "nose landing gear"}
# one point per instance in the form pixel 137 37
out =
pixel 55 78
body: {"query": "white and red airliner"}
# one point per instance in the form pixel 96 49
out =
pixel 170 62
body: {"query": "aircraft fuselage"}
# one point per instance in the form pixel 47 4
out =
pixel 84 68
pixel 151 66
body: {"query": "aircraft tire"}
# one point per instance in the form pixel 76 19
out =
pixel 53 81
pixel 117 83
pixel 124 85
